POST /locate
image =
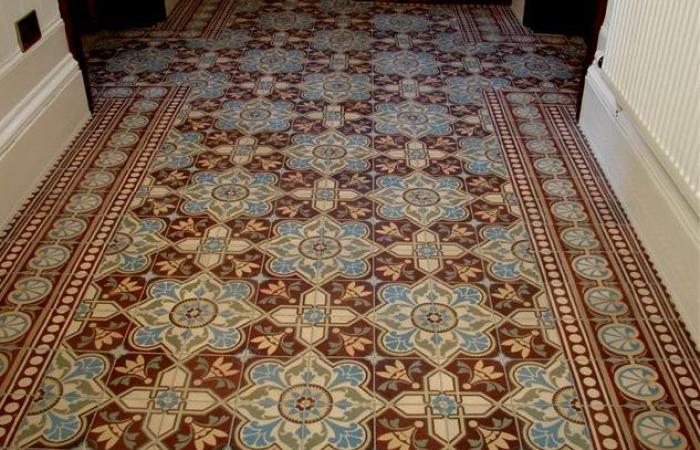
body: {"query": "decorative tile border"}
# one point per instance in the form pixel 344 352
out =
pixel 616 284
pixel 51 310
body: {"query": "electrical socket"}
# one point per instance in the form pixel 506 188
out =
pixel 28 31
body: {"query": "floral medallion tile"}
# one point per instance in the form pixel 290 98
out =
pixel 255 116
pixel 342 41
pixel 335 225
pixel 406 63
pixel 230 194
pixel 148 59
pixel 320 249
pixel 305 403
pixel 185 317
pixel 435 320
pixel 337 87
pixel 467 90
pixel 273 61
pixel 412 119
pixel 421 198
pixel 329 153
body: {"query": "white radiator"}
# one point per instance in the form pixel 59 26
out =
pixel 652 61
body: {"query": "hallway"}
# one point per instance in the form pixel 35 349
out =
pixel 329 224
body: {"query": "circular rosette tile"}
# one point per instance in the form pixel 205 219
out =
pixel 421 198
pixel 320 249
pixel 434 320
pixel 305 401
pixel 184 317
pixel 230 194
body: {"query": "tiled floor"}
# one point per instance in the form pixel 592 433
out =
pixel 335 225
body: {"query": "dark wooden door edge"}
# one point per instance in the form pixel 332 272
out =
pixel 76 46
pixel 591 44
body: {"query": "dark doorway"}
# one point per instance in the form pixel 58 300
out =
pixel 91 16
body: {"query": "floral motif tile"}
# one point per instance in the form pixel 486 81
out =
pixel 335 225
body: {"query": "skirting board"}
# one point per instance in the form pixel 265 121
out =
pixel 43 133
pixel 666 224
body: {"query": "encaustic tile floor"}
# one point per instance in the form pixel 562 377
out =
pixel 335 225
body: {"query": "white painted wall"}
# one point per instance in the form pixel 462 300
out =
pixel 11 11
pixel 43 102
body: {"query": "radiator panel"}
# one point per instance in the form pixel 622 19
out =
pixel 652 61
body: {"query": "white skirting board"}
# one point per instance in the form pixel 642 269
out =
pixel 665 223
pixel 40 127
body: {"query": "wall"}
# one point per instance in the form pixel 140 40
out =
pixel 638 122
pixel 43 102
pixel 10 11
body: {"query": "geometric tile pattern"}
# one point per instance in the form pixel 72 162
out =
pixel 335 225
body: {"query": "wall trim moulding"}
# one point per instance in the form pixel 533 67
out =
pixel 666 224
pixel 41 125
